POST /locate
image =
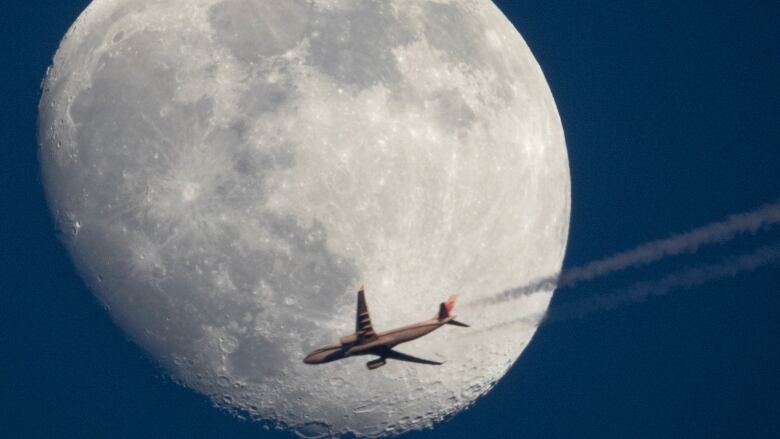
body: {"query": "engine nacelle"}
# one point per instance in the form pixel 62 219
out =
pixel 373 364
pixel 348 339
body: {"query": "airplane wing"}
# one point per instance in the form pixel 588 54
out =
pixel 395 355
pixel 363 327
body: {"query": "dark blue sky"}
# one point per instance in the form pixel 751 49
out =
pixel 672 119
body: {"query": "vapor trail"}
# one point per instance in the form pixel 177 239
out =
pixel 688 242
pixel 692 277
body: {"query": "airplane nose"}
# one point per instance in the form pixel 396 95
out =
pixel 323 355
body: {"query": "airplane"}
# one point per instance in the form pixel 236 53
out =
pixel 364 341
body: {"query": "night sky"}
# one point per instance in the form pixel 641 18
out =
pixel 672 119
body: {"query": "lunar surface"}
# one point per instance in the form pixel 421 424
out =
pixel 226 173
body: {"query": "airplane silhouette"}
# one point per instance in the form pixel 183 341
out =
pixel 364 341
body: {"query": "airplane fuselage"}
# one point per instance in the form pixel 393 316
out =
pixel 387 339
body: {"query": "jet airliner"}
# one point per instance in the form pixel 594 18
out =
pixel 364 341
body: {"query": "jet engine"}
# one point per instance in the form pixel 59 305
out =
pixel 373 364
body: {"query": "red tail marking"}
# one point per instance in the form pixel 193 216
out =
pixel 451 303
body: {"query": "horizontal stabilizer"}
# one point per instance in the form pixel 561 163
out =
pixel 457 323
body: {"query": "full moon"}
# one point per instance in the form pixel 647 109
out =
pixel 226 173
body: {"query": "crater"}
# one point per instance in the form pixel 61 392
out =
pixel 313 430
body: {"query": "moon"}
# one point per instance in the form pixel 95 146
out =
pixel 226 173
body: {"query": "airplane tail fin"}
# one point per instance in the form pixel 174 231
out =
pixel 445 312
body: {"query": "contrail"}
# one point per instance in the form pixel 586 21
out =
pixel 692 277
pixel 689 242
pixel 689 278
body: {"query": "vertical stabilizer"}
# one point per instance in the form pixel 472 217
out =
pixel 445 312
pixel 446 308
